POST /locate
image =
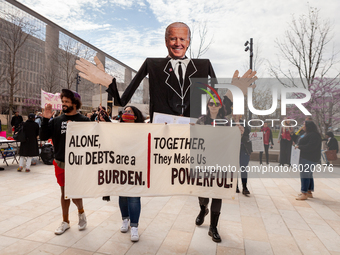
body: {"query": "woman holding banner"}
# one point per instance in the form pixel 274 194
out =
pixel 130 207
pixel 310 154
pixel 214 111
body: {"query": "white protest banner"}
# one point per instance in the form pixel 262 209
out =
pixel 133 159
pixel 50 98
pixel 256 139
pixel 171 119
pixel 295 156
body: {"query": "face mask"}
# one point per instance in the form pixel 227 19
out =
pixel 127 117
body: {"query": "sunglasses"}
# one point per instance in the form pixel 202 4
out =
pixel 128 111
pixel 212 104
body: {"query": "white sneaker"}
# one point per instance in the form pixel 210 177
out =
pixel 62 228
pixel 125 226
pixel 82 221
pixel 134 234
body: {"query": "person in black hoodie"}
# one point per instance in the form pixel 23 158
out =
pixel 56 128
pixel 310 154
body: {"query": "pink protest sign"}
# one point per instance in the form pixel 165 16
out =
pixel 50 98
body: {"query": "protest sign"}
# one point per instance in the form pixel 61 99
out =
pixel 295 156
pixel 132 159
pixel 50 98
pixel 256 139
pixel 171 119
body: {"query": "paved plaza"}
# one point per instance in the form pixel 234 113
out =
pixel 269 221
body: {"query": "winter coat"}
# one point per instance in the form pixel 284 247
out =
pixel 30 147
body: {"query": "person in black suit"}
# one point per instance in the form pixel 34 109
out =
pixel 170 80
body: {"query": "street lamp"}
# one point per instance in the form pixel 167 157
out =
pixel 250 48
pixel 77 82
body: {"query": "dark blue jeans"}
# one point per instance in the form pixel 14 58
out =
pixel 307 181
pixel 244 161
pixel 130 208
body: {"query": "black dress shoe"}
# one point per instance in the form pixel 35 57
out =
pixel 200 217
pixel 237 189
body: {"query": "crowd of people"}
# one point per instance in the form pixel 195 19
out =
pixel 167 95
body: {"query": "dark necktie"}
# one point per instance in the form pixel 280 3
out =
pixel 180 74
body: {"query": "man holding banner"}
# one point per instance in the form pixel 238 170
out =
pixel 56 128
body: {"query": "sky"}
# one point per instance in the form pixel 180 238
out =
pixel 131 30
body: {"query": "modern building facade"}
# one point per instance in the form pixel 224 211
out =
pixel 46 61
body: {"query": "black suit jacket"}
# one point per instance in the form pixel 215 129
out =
pixel 166 94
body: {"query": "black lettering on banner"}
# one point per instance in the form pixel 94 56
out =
pixel 200 143
pixel 174 175
pixel 212 177
pixel 219 184
pixel 94 157
pixel 206 179
pixel 198 183
pixel 115 176
pixel 112 158
pixel 226 185
pixel 138 178
pixel 88 158
pixel 71 156
pixel 123 177
pixel 133 160
pixel 100 177
pixel 181 175
pixel 130 178
pixel 100 157
pixel 108 176
pixel 84 141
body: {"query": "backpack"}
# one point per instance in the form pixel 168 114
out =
pixel 20 136
pixel 47 154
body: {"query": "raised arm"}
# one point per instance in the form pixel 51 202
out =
pixel 93 73
pixel 243 82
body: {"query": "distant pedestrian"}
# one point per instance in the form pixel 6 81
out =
pixel 332 147
pixel 29 148
pixel 16 121
pixel 285 140
pixel 310 154
pixel 267 139
pixel 38 118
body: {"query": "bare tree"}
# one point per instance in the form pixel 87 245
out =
pixel 304 48
pixel 50 78
pixel 262 100
pixel 16 31
pixel 203 41
pixel 70 50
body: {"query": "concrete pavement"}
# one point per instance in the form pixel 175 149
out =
pixel 269 221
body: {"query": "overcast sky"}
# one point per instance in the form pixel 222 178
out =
pixel 132 30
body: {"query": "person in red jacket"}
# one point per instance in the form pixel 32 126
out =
pixel 267 138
